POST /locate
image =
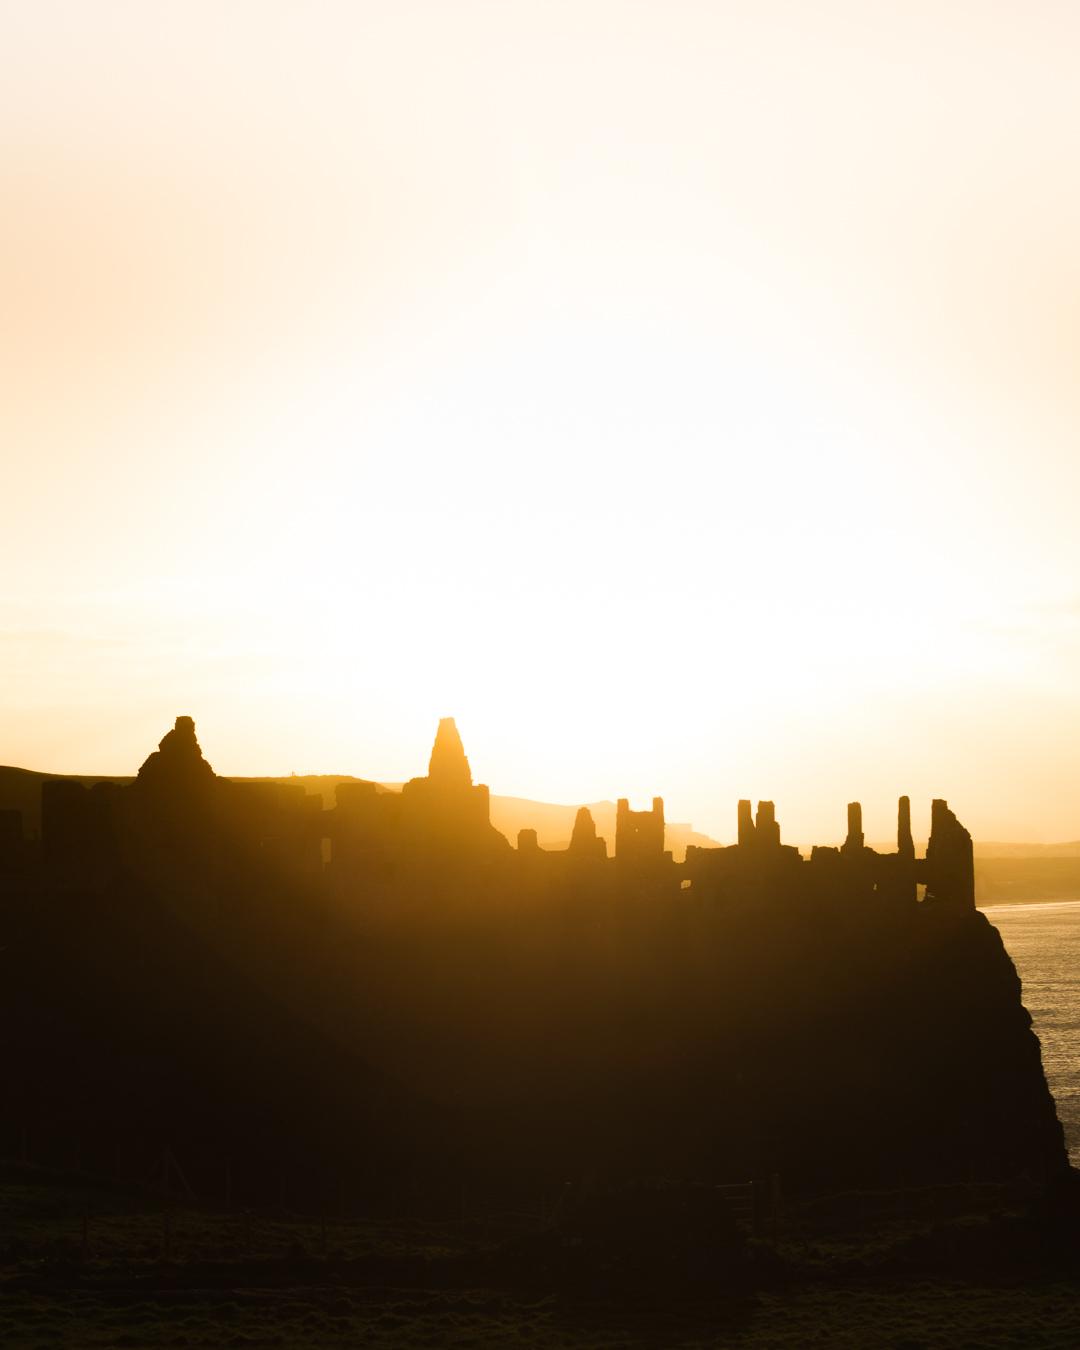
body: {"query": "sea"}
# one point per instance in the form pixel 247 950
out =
pixel 1043 939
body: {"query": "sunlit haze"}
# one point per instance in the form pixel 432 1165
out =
pixel 682 396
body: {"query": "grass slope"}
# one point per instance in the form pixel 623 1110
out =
pixel 280 1280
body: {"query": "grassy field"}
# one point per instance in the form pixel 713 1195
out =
pixel 86 1267
pixel 939 1315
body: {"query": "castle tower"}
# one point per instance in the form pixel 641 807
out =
pixel 177 765
pixel 950 865
pixel 766 826
pixel 585 842
pixel 448 766
pixel 855 838
pixel 639 835
pixel 446 810
pixel 905 844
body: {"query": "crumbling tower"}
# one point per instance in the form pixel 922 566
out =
pixel 901 877
pixel 585 842
pixel 446 811
pixel 760 832
pixel 950 865
pixel 448 766
pixel 766 826
pixel 905 844
pixel 639 835
pixel 177 766
pixel 856 840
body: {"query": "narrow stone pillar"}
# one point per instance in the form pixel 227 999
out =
pixel 855 837
pixel 905 844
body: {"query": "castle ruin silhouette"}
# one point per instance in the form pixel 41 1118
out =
pixel 241 968
pixel 442 821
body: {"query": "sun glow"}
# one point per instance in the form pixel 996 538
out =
pixel 629 398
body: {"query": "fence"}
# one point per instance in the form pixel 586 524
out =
pixel 160 1215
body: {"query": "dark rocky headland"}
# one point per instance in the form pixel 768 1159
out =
pixel 387 996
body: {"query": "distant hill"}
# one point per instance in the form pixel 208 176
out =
pixel 324 785
pixel 1020 873
pixel 20 789
pixel 553 824
pixel 996 850
pixel 1022 880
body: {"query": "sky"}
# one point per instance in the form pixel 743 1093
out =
pixel 681 395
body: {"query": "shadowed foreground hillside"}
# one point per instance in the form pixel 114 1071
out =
pixel 937 1268
pixel 184 968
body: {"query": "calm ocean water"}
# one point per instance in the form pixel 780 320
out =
pixel 1044 943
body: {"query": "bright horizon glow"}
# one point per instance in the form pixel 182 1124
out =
pixel 682 397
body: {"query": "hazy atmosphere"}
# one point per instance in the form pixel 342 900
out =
pixel 681 396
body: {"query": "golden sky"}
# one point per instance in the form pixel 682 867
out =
pixel 682 395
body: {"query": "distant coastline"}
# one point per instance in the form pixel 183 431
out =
pixel 1025 880
pixel 989 909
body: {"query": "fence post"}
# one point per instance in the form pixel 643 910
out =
pixel 756 1207
pixel 776 1203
